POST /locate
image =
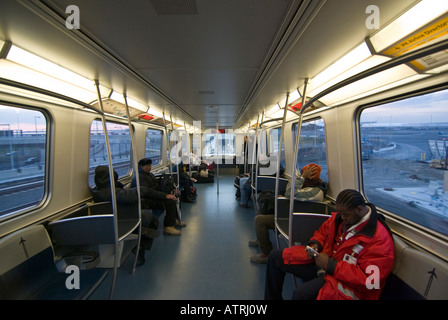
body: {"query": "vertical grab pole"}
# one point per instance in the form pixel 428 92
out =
pixel 137 179
pixel 112 188
pixel 257 151
pixel 177 157
pixel 277 174
pixel 178 177
pixel 188 145
pixel 167 145
pixel 217 157
pixel 293 169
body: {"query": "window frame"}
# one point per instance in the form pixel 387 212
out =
pixel 294 125
pixel 162 137
pixel 49 149
pixel 416 233
pixel 124 176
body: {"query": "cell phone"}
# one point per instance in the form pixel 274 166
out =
pixel 312 251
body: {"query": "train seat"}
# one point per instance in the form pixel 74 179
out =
pixel 417 275
pixel 307 218
pixel 267 183
pixel 30 271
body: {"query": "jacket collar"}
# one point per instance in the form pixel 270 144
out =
pixel 368 230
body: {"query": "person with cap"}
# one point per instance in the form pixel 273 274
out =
pixel 354 255
pixel 308 187
pixel 127 199
pixel 156 199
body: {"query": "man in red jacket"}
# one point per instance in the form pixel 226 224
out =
pixel 355 256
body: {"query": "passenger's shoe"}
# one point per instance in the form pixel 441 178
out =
pixel 180 224
pixel 254 243
pixel 260 258
pixel 171 231
pixel 244 206
pixel 189 200
pixel 150 233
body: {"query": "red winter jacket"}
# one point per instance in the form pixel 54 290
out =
pixel 372 252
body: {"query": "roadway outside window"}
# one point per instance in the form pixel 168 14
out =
pixel 153 145
pixel 312 146
pixel 404 158
pixel 120 145
pixel 23 149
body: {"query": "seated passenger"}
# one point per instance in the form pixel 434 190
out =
pixel 156 199
pixel 308 187
pixel 245 191
pixel 349 243
pixel 126 197
pixel 186 183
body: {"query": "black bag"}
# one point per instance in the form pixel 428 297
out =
pixel 266 202
pixel 167 184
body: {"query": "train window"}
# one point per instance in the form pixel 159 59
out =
pixel 404 158
pixel 226 144
pixel 153 145
pixel 273 148
pixel 23 149
pixel 312 146
pixel 120 145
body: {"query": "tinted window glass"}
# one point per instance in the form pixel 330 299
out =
pixel 153 145
pixel 404 158
pixel 23 149
pixel 312 146
pixel 120 144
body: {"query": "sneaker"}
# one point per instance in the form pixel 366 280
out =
pixel 244 206
pixel 259 258
pixel 254 243
pixel 171 231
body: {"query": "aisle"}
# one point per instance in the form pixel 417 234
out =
pixel 209 261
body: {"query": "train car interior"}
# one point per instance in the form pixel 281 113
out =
pixel 215 91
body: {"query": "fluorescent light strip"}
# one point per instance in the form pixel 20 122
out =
pixel 19 73
pixel 34 62
pixel 131 103
pixel 369 84
pixel 334 72
pixel 418 16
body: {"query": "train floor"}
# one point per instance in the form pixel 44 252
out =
pixel 209 261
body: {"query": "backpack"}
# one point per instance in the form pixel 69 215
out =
pixel 266 202
pixel 167 184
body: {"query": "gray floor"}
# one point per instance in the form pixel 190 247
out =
pixel 209 261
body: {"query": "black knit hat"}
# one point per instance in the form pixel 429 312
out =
pixel 144 162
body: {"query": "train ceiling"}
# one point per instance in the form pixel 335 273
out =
pixel 196 60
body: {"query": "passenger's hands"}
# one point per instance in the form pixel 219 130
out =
pixel 322 260
pixel 309 173
pixel 170 196
pixel 315 247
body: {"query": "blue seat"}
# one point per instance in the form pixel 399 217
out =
pixel 28 270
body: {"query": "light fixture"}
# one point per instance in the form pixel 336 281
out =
pixel 155 112
pixel 34 62
pixel 366 86
pixel 418 16
pixel 24 67
pixel 131 102
pixel 336 71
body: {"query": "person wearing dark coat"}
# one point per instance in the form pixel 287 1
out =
pixel 127 198
pixel 157 199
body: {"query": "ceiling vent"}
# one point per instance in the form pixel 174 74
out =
pixel 175 7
